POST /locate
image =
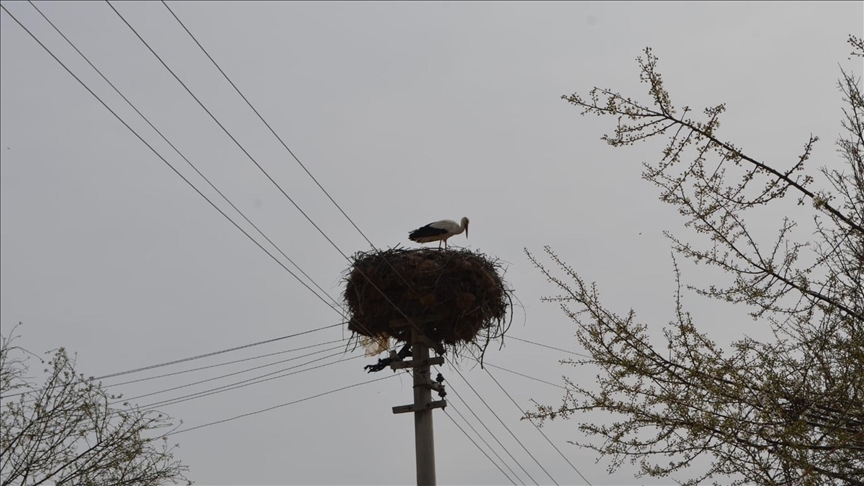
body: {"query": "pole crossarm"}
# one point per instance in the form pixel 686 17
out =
pixel 417 408
pixel 418 363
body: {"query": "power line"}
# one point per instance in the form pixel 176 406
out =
pixel 486 363
pixel 280 406
pixel 225 363
pixel 173 168
pixel 236 142
pixel 505 426
pixel 189 183
pixel 499 419
pixel 232 386
pixel 239 145
pixel 487 445
pixel 239 372
pixel 535 379
pixel 169 165
pixel 297 159
pixel 550 347
pixel 244 383
pixel 189 162
pixel 214 366
pixel 179 153
pixel 286 148
pixel 214 353
pixel 188 90
pixel 494 437
pixel 477 445
pixel 538 428
pixel 266 124
pixel 523 412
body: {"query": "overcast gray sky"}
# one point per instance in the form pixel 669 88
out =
pixel 406 113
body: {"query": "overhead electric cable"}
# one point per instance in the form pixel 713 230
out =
pixel 267 124
pixel 450 385
pixel 160 157
pixel 214 366
pixel 186 159
pixel 214 353
pixel 137 135
pixel 243 149
pixel 486 363
pixel 179 387
pixel 549 347
pixel 236 142
pixel 242 384
pixel 280 406
pixel 505 425
pixel 487 445
pixel 297 159
pixel 224 363
pixel 181 154
pixel 478 446
pixel 538 429
pixel 248 155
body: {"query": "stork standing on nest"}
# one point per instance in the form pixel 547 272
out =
pixel 439 231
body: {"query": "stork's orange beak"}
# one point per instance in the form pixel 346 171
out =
pixel 466 232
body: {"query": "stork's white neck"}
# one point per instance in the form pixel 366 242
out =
pixel 463 226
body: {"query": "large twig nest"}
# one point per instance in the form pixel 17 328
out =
pixel 455 296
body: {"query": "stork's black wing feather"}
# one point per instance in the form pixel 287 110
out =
pixel 426 231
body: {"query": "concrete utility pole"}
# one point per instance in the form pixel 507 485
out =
pixel 424 440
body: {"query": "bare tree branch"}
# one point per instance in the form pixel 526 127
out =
pixel 783 412
pixel 66 432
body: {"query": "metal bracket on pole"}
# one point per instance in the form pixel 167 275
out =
pixel 416 408
pixel 438 387
pixel 415 363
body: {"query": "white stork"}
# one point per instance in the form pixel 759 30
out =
pixel 439 231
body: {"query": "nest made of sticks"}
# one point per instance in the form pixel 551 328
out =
pixel 455 296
